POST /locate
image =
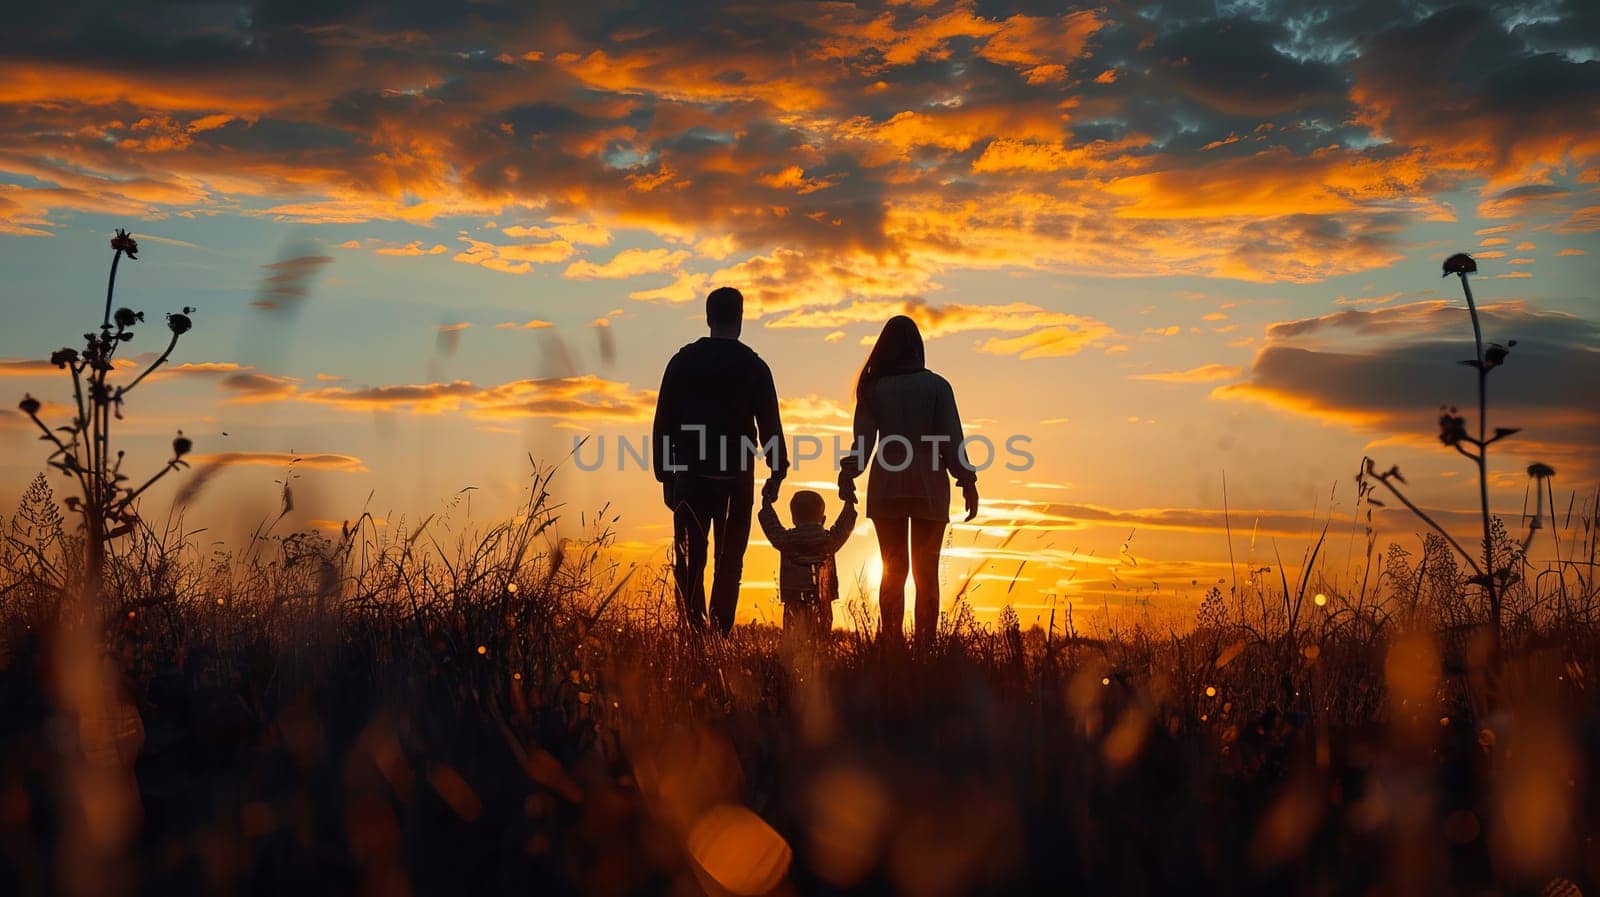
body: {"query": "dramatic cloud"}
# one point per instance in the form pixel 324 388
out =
pixel 1390 369
pixel 1478 95
pixel 821 153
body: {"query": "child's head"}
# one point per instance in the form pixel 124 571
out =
pixel 807 507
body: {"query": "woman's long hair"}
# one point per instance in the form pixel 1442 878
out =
pixel 897 351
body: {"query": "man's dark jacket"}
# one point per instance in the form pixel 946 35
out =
pixel 725 387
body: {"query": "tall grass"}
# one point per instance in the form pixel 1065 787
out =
pixel 427 708
pixel 433 710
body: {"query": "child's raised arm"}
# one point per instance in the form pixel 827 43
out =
pixel 839 533
pixel 772 526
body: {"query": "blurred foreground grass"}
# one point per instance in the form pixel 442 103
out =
pixel 415 713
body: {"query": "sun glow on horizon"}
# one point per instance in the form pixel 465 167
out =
pixel 406 294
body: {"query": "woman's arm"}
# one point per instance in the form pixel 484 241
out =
pixel 955 460
pixel 863 439
pixel 947 423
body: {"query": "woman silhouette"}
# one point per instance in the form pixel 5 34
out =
pixel 908 414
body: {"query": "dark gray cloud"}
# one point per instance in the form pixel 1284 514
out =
pixel 1391 369
pixel 1235 66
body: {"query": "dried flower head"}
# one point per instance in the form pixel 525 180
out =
pixel 127 317
pixel 179 323
pixel 1460 263
pixel 1540 470
pixel 181 445
pixel 63 357
pixel 1495 355
pixel 29 405
pixel 1452 427
pixel 124 243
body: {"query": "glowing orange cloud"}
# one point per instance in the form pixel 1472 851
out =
pixel 316 461
pixel 582 397
pixel 1206 373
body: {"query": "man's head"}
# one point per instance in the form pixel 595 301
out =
pixel 807 507
pixel 725 312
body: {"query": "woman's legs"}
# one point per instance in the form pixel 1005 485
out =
pixel 927 538
pixel 893 547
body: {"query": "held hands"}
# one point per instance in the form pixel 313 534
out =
pixel 969 493
pixel 847 488
pixel 769 491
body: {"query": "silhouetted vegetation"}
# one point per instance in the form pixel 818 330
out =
pixel 425 713
pixel 1498 565
pixel 82 448
pixel 423 709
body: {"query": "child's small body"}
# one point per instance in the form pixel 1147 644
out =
pixel 808 581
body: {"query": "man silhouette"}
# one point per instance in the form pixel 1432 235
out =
pixel 716 412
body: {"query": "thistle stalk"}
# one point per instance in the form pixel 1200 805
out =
pixel 105 504
pixel 1454 434
pixel 1481 458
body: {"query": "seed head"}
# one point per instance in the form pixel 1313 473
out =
pixel 181 446
pixel 29 405
pixel 1540 470
pixel 127 317
pixel 1452 427
pixel 1495 355
pixel 1460 263
pixel 124 243
pixel 179 324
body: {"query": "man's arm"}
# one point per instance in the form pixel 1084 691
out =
pixel 666 421
pixel 769 426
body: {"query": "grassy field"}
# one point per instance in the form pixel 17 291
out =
pixel 425 713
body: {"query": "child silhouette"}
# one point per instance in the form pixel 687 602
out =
pixel 808 581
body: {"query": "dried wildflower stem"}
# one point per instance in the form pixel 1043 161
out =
pixel 1423 516
pixel 111 286
pixel 85 453
pixel 1481 458
pixel 161 360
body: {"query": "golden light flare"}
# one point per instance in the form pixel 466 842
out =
pixel 849 813
pixel 738 851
